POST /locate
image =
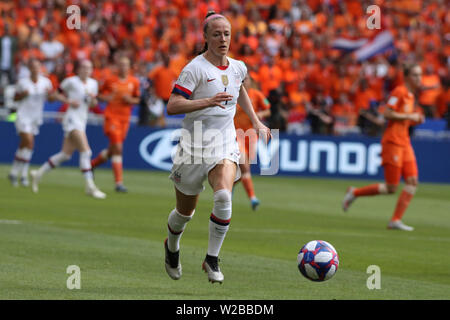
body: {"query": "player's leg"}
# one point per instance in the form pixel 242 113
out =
pixel 116 138
pixel 221 178
pixel 101 158
pixel 27 153
pixel 116 150
pixel 410 175
pixel 392 172
pixel 105 154
pixel 54 161
pixel 22 159
pixel 177 221
pixel 79 139
pixel 369 190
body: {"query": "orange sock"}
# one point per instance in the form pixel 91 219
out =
pixel 100 159
pixel 116 162
pixel 248 186
pixel 370 190
pixel 403 202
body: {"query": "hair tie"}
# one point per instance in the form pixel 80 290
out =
pixel 213 16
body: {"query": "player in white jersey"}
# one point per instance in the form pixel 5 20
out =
pixel 80 93
pixel 207 91
pixel 31 94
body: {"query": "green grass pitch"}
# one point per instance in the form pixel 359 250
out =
pixel 118 242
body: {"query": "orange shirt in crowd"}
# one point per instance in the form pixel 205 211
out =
pixel 259 102
pixel 298 111
pixel 270 78
pixel 119 88
pixel 362 99
pixel 344 114
pixel 163 79
pixel 442 102
pixel 401 101
pixel 428 97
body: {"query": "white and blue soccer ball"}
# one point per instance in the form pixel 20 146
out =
pixel 318 260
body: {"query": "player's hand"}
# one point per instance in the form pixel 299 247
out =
pixel 219 98
pixel 418 117
pixel 263 132
pixel 128 99
pixel 74 104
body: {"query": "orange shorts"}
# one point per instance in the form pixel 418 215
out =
pixel 116 129
pixel 247 143
pixel 398 161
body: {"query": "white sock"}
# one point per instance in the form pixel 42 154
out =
pixel 176 224
pixel 53 162
pixel 26 154
pixel 85 165
pixel 219 221
pixel 17 163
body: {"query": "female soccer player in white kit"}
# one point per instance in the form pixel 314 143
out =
pixel 31 94
pixel 81 92
pixel 207 91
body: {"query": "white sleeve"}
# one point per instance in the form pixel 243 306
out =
pixel 94 87
pixel 65 84
pixel 49 85
pixel 20 86
pixel 186 82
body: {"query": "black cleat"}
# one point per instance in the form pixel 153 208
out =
pixel 172 262
pixel 211 266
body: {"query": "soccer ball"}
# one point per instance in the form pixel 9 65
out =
pixel 318 260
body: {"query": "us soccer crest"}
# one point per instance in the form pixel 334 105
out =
pixel 225 80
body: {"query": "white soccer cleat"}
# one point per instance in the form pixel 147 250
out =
pixel 172 263
pixel 211 266
pixel 34 181
pixel 95 193
pixel 348 199
pixel 399 225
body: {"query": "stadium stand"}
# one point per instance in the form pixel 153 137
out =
pixel 309 57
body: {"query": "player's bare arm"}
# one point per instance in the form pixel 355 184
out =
pixel 263 114
pixel 105 97
pixel 93 101
pixel 61 97
pixel 130 99
pixel 246 105
pixel 390 114
pixel 178 104
pixel 20 95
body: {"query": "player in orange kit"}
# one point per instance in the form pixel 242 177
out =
pixel 247 139
pixel 397 154
pixel 121 91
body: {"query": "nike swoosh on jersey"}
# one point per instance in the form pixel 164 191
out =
pixel 209 80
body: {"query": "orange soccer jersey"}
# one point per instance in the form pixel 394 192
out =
pixel 118 112
pixel 397 150
pixel 401 101
pixel 119 88
pixel 242 121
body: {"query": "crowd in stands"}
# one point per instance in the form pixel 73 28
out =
pixel 286 45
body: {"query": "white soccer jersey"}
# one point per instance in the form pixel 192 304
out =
pixel 201 79
pixel 31 107
pixel 80 91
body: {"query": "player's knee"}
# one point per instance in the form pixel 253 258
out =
pixel 222 196
pixel 413 181
pixel 116 149
pixel 391 188
pixel 222 203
